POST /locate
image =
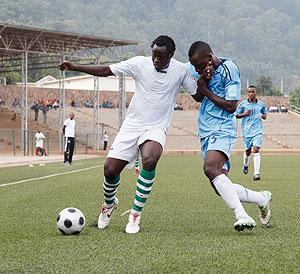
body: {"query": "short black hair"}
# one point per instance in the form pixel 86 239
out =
pixel 252 86
pixel 199 46
pixel 164 40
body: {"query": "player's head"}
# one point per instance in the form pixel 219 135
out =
pixel 252 92
pixel 200 53
pixel 72 115
pixel 163 48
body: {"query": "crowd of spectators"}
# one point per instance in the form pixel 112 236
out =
pixel 44 106
pixel 278 109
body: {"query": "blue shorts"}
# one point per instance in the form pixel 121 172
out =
pixel 254 141
pixel 220 141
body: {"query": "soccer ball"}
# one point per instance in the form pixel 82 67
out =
pixel 70 221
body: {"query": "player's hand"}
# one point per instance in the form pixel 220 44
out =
pixel 66 65
pixel 248 112
pixel 202 86
pixel 208 71
pixel 264 116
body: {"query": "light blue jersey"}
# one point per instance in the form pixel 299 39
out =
pixel 252 124
pixel 226 84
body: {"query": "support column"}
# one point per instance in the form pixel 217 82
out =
pixel 22 131
pixel 61 104
pixel 24 104
pixel 122 100
pixel 96 139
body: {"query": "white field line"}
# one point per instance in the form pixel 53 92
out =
pixel 49 176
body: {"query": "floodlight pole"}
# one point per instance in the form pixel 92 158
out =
pixel 122 99
pixel 24 103
pixel 96 137
pixel 61 104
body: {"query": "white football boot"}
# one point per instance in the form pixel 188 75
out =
pixel 243 223
pixel 106 213
pixel 133 225
pixel 265 211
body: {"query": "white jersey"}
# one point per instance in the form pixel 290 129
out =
pixel 154 99
pixel 70 127
pixel 39 137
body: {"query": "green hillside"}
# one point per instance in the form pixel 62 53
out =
pixel 261 36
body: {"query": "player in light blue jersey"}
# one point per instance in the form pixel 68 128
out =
pixel 219 89
pixel 251 112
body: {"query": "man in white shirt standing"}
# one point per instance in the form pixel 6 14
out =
pixel 39 144
pixel 69 133
pixel 158 79
pixel 105 140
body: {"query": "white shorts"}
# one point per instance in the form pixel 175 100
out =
pixel 126 144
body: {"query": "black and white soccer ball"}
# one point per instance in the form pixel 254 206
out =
pixel 70 221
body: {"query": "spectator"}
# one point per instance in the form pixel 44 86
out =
pixel 14 118
pixel 55 105
pixel 74 104
pixel 48 104
pixel 105 140
pixel 2 102
pixel 45 110
pixel 36 107
pixel 178 107
pixel 16 102
pixel 88 104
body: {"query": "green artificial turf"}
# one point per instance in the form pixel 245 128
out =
pixel 185 227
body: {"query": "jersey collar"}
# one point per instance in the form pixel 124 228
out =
pixel 255 101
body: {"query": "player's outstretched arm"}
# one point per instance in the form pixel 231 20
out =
pixel 96 70
pixel 228 105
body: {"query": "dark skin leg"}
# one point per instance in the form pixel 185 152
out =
pixel 255 150
pixel 151 152
pixel 113 167
pixel 213 164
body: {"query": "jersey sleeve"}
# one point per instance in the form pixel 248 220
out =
pixel 189 83
pixel 233 82
pixel 240 109
pixel 191 68
pixel 128 67
pixel 264 109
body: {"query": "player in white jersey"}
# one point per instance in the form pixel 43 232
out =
pixel 158 79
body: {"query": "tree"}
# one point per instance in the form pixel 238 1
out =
pixel 295 97
pixel 265 86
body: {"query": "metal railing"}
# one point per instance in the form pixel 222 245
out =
pixel 11 142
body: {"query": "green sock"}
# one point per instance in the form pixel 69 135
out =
pixel 110 189
pixel 143 188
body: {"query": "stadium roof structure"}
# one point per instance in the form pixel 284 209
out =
pixel 17 42
pixel 17 39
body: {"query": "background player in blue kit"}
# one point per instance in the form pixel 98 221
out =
pixel 252 111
